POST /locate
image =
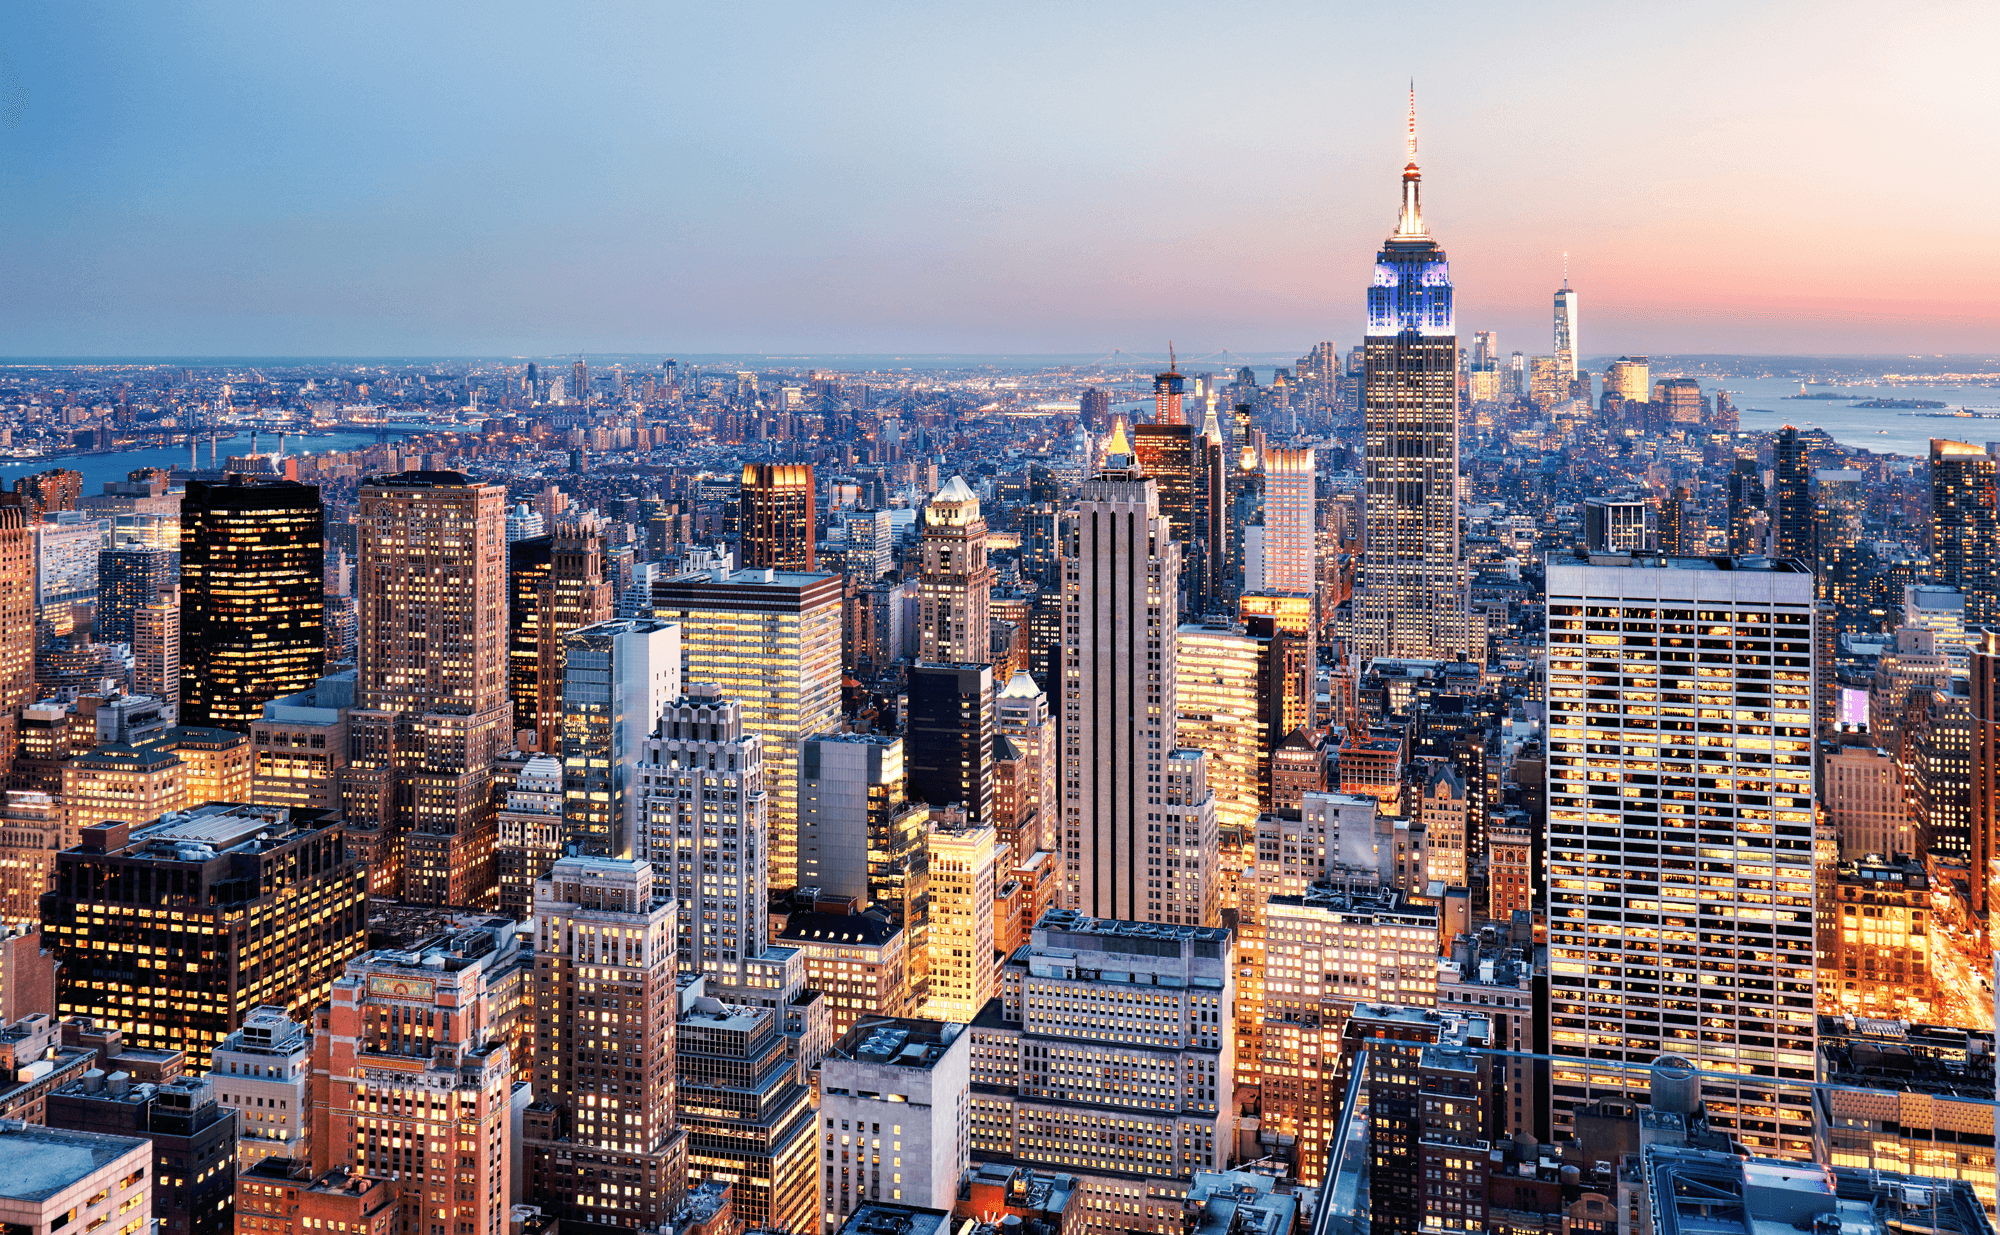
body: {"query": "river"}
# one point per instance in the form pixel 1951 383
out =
pixel 97 469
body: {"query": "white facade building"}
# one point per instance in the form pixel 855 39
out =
pixel 1680 832
pixel 263 1072
pixel 704 818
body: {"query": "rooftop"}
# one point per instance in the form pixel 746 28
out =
pixel 1703 1192
pixel 905 1041
pixel 878 1218
pixel 43 1161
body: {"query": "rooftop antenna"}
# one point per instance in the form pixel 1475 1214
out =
pixel 1565 269
pixel 1173 365
pixel 1413 120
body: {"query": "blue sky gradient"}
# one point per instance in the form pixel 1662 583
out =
pixel 430 178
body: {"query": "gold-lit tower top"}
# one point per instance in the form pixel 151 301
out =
pixel 1411 221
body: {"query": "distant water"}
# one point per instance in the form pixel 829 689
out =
pixel 1905 432
pixel 97 469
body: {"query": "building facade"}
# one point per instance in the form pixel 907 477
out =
pixel 1722 991
pixel 252 598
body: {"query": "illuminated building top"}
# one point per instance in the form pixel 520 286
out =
pixel 1412 289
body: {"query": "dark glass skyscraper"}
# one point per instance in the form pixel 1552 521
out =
pixel 129 578
pixel 1746 501
pixel 1792 512
pixel 948 741
pixel 1965 526
pixel 252 598
pixel 780 516
pixel 1413 593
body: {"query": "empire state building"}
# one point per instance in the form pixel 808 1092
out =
pixel 1413 593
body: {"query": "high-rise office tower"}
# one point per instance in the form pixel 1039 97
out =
pixel 1215 466
pixel 858 835
pixel 412 1076
pixel 602 1143
pixel 1168 389
pixel 948 740
pixel 1168 454
pixel 1791 507
pixel 749 1119
pixel 1285 551
pixel 1023 716
pixel 1565 339
pixel 956 582
pixel 1984 875
pixel 780 516
pixel 1643 961
pixel 579 382
pixel 431 689
pixel 234 907
pixel 1093 407
pixel 703 819
pixel 129 577
pixel 1965 526
pixel 17 617
pixel 1413 599
pixel 1746 503
pixel 530 825
pixel 619 676
pixel 252 598
pixel 530 563
pixel 961 975
pixel 1221 697
pixel 1844 555
pixel 771 641
pixel 1677 514
pixel 1630 378
pixel 156 649
pixel 1121 601
pixel 574 594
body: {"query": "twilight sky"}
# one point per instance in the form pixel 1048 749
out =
pixel 490 177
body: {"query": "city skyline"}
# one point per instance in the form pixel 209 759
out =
pixel 203 197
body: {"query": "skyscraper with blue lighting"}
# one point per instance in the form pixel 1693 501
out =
pixel 1413 593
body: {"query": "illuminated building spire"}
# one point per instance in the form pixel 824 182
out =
pixel 1411 221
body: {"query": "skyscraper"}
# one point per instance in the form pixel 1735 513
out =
pixel 748 1116
pixel 961 975
pixel 431 688
pixel 1222 710
pixel 1413 599
pixel 779 511
pixel 386 1104
pixel 530 824
pixel 129 577
pixel 1984 876
pixel 1286 549
pixel 17 618
pixel 1168 388
pixel 602 1143
pixel 1565 339
pixel 530 562
pixel 1746 503
pixel 1792 512
pixel 1121 599
pixel 1965 526
pixel 948 740
pixel 252 598
pixel 1643 961
pixel 771 641
pixel 1630 378
pixel 156 649
pixel 1022 715
pixel 620 676
pixel 573 594
pixel 704 813
pixel 955 581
